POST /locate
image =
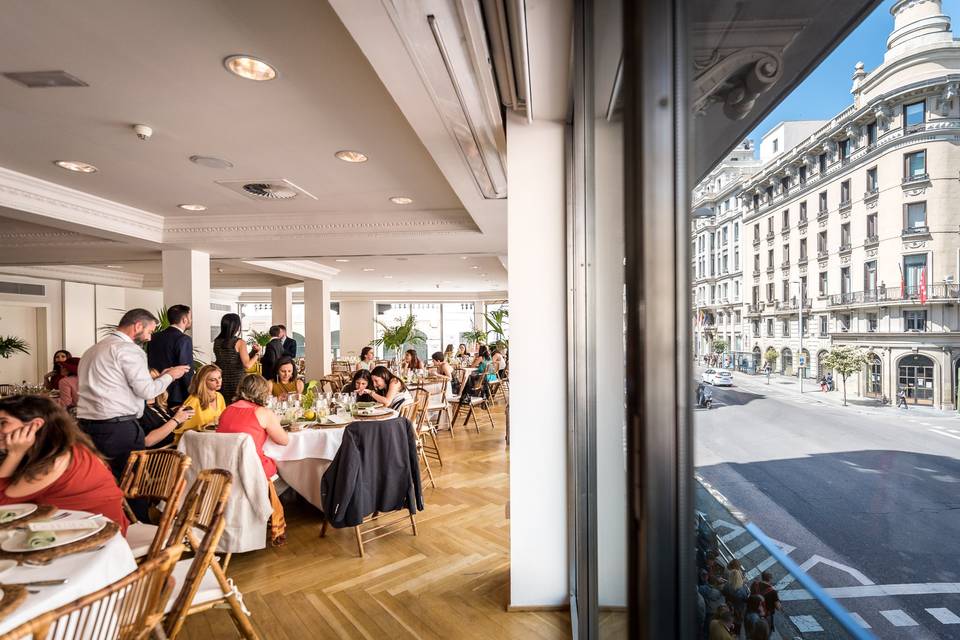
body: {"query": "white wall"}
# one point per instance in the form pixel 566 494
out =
pixel 49 332
pixel 356 325
pixel 80 327
pixel 149 299
pixel 21 321
pixel 538 445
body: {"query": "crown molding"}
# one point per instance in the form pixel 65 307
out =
pixel 263 296
pixel 307 269
pixel 79 273
pixel 56 204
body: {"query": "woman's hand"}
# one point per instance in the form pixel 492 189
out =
pixel 183 414
pixel 20 441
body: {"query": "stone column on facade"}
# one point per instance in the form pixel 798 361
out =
pixel 186 280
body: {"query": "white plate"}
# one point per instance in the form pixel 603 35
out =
pixel 376 411
pixel 22 510
pixel 17 543
pixel 6 565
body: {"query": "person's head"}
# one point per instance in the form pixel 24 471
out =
pixel 367 354
pixel 275 331
pixel 164 396
pixel 382 378
pixel 437 357
pixel 411 358
pixel 754 603
pixel 70 367
pixel 57 433
pixel 180 316
pixel 59 357
pixel 734 565
pixel 205 384
pixel 361 381
pixel 286 370
pixel 138 325
pixel 462 348
pixel 283 330
pixel 449 348
pixel 229 328
pixel 766 576
pixel 254 388
pixel 483 352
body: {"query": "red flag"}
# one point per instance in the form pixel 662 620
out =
pixel 923 286
pixel 903 284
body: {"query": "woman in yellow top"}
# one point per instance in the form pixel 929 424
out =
pixel 204 399
pixel 286 382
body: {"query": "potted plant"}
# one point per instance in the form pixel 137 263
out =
pixel 10 345
pixel 398 336
pixel 497 321
pixel 476 336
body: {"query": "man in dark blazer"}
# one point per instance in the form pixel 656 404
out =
pixel 289 344
pixel 272 353
pixel 173 347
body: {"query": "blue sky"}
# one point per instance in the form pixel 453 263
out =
pixel 826 91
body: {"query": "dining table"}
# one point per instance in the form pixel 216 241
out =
pixel 84 573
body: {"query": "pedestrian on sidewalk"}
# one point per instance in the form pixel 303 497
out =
pixel 901 398
pixel 823 384
pixel 830 381
pixel 771 599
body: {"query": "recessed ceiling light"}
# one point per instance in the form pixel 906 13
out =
pixel 463 257
pixel 250 68
pixel 351 156
pixel 113 266
pixel 401 200
pixel 342 260
pixel 475 267
pixel 211 162
pixel 483 275
pixel 76 165
pixel 193 207
pixel 369 269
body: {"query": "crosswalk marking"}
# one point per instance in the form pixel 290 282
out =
pixel 806 624
pixel 944 616
pixel 860 621
pixel 899 618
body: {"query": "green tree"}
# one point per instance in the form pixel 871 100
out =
pixel 720 346
pixel 770 357
pixel 846 361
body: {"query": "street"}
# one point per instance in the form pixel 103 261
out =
pixel 866 499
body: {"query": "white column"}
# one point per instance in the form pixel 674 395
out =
pixel 479 321
pixel 281 302
pixel 318 346
pixel 538 306
pixel 186 280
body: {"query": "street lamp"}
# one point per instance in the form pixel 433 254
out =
pixel 800 355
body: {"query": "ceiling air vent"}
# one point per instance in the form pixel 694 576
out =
pixel 45 79
pixel 21 289
pixel 280 189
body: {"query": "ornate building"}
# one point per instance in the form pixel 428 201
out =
pixel 855 226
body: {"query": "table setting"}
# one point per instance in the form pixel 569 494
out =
pixel 50 557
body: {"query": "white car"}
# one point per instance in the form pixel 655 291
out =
pixel 718 377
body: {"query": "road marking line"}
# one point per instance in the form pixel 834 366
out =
pixel 944 616
pixel 860 621
pixel 948 435
pixel 739 553
pixel 815 560
pixel 735 530
pixel 806 624
pixel 875 590
pixel 899 619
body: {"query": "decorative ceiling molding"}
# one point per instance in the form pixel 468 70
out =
pixel 56 203
pixel 79 273
pixel 52 238
pixel 294 268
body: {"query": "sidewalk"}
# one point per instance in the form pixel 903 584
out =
pixel 811 393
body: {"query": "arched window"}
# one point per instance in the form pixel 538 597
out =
pixel 874 376
pixel 821 367
pixel 915 378
pixel 786 362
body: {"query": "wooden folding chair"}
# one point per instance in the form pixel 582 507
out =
pixel 202 582
pixel 155 475
pixel 440 404
pixel 426 432
pixel 477 395
pixel 128 609
pixel 330 384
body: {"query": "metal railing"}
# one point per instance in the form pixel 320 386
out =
pixel 918 230
pixel 874 239
pixel 918 177
pixel 941 291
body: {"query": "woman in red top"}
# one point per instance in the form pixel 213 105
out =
pixel 47 459
pixel 250 415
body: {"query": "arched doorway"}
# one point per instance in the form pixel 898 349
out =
pixel 915 378
pixel 821 367
pixel 786 362
pixel 874 376
pixel 756 359
pixel 805 369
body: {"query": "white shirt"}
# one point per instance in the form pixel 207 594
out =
pixel 115 380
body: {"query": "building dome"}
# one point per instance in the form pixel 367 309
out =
pixel 917 23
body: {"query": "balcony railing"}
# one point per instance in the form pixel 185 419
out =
pixel 770 235
pixel 871 240
pixel 871 193
pixel 802 260
pixel 846 247
pixel 803 221
pixel 823 214
pixel 785 264
pixel 770 269
pixel 822 254
pixel 753 307
pixel 756 272
pixel 942 291
pixel 845 204
pixel 756 242
pixel 918 230
pixel 917 177
pixel 785 232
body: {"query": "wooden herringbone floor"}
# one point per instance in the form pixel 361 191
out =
pixel 451 581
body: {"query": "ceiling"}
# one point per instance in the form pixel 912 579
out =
pixel 161 64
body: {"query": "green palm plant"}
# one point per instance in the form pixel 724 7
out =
pixel 476 336
pixel 9 345
pixel 497 321
pixel 398 336
pixel 261 338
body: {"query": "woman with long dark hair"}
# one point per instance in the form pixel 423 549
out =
pixel 286 382
pixel 47 459
pixel 69 384
pixel 230 352
pixel 52 379
pixel 388 389
pixel 361 384
pixel 411 361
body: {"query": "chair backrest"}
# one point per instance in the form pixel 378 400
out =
pixel 128 609
pixel 421 399
pixel 203 508
pixel 408 411
pixel 155 473
pixel 331 384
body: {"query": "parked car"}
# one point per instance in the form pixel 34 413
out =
pixel 718 377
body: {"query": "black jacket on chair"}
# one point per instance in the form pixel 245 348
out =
pixel 375 469
pixel 169 348
pixel 271 354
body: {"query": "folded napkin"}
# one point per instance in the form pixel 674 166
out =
pixel 65 525
pixel 8 516
pixel 41 539
pixel 335 419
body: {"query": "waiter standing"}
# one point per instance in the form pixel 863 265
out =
pixel 114 383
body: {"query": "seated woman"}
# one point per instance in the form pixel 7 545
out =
pixel 498 360
pixel 68 384
pixel 52 378
pixel 367 356
pixel 360 385
pixel 286 382
pixel 462 352
pixel 411 361
pixel 158 422
pixel 388 389
pixel 448 353
pixel 47 459
pixel 249 414
pixel 444 370
pixel 483 364
pixel 204 399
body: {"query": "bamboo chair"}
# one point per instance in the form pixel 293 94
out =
pixel 426 432
pixel 202 582
pixel 477 396
pixel 333 382
pixel 128 609
pixel 157 474
pixel 440 404
pixel 410 411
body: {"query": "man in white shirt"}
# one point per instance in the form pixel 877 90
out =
pixel 114 383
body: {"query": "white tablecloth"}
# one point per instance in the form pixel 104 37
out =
pixel 321 444
pixel 85 573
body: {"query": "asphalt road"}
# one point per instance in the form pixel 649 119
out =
pixel 867 499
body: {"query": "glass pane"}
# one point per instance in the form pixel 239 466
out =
pixel 913 114
pixel 916 215
pixel 916 164
pixel 427 323
pixel 457 320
